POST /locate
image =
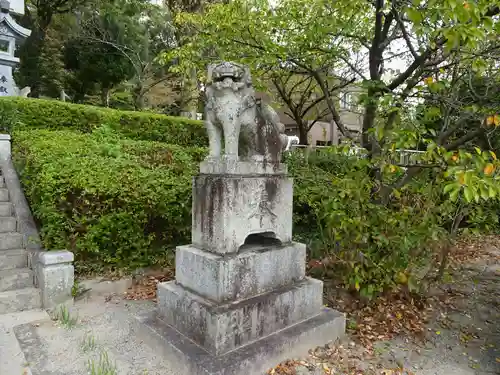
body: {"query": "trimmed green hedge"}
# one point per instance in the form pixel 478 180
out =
pixel 111 200
pixel 24 113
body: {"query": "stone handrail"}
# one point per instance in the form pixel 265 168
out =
pixel 53 270
pixel 25 222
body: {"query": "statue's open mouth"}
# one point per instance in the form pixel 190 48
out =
pixel 223 77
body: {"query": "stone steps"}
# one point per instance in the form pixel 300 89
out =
pixel 20 300
pixel 16 278
pixel 8 224
pixel 11 240
pixel 16 258
pixel 4 195
pixel 17 292
pixel 5 209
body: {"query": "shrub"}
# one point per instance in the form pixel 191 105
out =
pixel 23 113
pixel 365 245
pixel 125 203
pixel 110 200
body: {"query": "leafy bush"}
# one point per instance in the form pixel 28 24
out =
pixel 23 113
pixel 110 200
pixel 368 246
pixel 124 203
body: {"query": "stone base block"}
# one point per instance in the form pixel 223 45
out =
pixel 234 167
pixel 228 209
pixel 220 328
pixel 254 359
pixel 243 275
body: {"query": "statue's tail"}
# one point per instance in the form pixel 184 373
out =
pixel 272 119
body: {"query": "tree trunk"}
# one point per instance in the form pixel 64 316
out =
pixel 369 120
pixel 139 96
pixel 302 132
pixel 190 94
pixel 139 102
pixel 105 97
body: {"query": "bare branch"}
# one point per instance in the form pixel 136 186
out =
pixel 406 36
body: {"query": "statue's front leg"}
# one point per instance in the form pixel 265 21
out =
pixel 214 139
pixel 231 138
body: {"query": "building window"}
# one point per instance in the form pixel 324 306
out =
pixel 323 143
pixel 291 129
pixel 4 46
pixel 346 100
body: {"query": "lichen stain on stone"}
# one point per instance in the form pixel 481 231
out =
pixel 211 194
pixel 246 281
pixel 261 134
pixel 271 188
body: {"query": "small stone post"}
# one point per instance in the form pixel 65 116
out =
pixel 54 275
pixel 5 148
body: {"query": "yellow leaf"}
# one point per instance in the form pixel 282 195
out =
pixel 357 286
pixel 493 120
pixel 489 169
pixel 402 278
pixel 461 178
pixel 497 359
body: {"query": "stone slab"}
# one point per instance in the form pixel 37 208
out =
pixel 253 359
pixel 12 359
pixel 52 348
pixel 220 328
pixel 20 300
pixel 48 258
pixel 17 278
pixel 233 167
pixel 17 258
pixel 4 195
pixel 227 209
pixel 12 240
pixel 8 224
pixel 243 275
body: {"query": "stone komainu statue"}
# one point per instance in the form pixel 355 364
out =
pixel 252 130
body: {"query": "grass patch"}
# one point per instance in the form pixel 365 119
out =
pixel 64 316
pixel 88 343
pixel 102 366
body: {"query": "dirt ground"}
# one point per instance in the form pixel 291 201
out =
pixel 456 333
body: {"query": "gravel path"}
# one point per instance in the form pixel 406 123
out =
pixel 463 338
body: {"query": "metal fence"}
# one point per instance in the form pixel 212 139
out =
pixel 403 157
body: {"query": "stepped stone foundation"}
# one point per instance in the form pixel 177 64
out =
pixel 241 302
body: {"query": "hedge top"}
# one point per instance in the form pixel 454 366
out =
pixel 19 113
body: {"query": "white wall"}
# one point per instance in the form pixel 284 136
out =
pixel 17 6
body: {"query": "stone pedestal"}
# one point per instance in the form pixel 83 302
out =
pixel 241 301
